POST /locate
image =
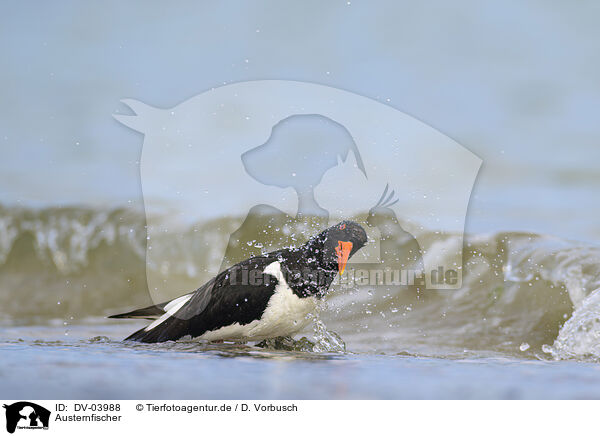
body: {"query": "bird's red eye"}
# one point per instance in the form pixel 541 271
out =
pixel 342 226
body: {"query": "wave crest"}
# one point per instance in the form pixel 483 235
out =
pixel 523 294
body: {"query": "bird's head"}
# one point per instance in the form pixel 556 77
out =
pixel 335 245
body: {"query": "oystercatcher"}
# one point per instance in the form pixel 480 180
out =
pixel 260 298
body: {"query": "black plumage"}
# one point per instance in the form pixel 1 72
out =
pixel 241 294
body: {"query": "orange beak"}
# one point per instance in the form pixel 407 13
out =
pixel 343 253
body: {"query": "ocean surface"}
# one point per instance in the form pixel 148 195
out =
pixel 526 323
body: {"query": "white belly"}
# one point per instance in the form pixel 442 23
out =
pixel 285 315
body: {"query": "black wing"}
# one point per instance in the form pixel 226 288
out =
pixel 239 294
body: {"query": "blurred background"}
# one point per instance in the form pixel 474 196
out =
pixel 516 83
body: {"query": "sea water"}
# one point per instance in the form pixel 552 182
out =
pixel 525 324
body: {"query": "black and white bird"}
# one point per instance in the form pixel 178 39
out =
pixel 260 298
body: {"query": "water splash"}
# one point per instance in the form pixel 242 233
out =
pixel 327 341
pixel 324 341
pixel 579 338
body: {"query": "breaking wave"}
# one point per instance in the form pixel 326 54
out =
pixel 523 294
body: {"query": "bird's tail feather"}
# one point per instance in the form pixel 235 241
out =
pixel 150 312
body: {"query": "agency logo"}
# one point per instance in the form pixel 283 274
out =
pixel 24 415
pixel 273 162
